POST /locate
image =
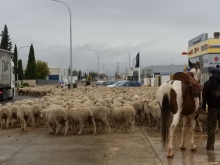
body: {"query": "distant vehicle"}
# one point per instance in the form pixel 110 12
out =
pixel 106 83
pixel 99 83
pixel 7 75
pixel 126 83
pixel 83 80
pixel 114 84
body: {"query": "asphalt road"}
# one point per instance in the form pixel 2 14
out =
pixel 39 147
pixel 141 148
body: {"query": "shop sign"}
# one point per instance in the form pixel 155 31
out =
pixel 215 46
pixel 216 58
pixel 196 49
pixel 204 47
pixel 198 39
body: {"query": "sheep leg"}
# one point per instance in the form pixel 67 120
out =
pixel 157 126
pixel 58 126
pixel 33 123
pixel 94 124
pixel 12 122
pixel 50 129
pixel 7 123
pixel 25 125
pixel 66 127
pixel 22 121
pixel 81 125
pixel 116 126
pixel 107 125
pixel 131 125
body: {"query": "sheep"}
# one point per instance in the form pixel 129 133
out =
pixel 101 114
pixel 14 110
pixel 57 117
pixel 156 113
pixel 80 116
pixel 202 120
pixel 36 110
pixel 139 108
pixel 124 114
pixel 24 115
pixel 5 116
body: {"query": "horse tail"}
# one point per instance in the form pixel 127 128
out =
pixel 165 118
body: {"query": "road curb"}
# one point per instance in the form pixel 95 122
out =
pixel 157 160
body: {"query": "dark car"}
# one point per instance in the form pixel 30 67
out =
pixel 129 84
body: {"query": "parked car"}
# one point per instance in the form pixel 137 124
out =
pixel 99 83
pixel 106 83
pixel 114 84
pixel 126 83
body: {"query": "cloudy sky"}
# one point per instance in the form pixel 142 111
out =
pixel 159 30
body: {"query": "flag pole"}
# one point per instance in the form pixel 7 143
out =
pixel 139 70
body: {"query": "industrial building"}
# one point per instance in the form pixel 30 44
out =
pixel 156 75
pixel 206 51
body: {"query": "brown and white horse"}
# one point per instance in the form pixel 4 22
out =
pixel 177 97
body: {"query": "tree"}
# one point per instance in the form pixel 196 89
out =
pixel 15 60
pixel 42 69
pixel 85 75
pixel 20 70
pixel 5 44
pixel 31 72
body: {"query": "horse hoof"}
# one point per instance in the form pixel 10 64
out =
pixel 183 148
pixel 170 156
pixel 194 149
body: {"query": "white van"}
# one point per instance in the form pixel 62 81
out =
pixel 99 83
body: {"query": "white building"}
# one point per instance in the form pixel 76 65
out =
pixel 58 74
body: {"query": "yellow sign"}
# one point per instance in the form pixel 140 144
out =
pixel 210 46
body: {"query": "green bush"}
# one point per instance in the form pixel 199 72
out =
pixel 25 84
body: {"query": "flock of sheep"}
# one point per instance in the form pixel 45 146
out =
pixel 99 109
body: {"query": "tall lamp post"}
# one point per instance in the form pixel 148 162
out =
pixel 17 59
pixel 71 65
pixel 98 60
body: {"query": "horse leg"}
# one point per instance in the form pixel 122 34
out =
pixel 192 131
pixel 182 145
pixel 175 121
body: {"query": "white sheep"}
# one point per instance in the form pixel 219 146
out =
pixel 24 115
pixel 80 116
pixel 101 114
pixel 139 108
pixel 5 116
pixel 57 118
pixel 36 110
pixel 123 115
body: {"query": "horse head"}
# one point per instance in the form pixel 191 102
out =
pixel 195 70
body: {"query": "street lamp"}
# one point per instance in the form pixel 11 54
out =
pixel 17 59
pixel 98 60
pixel 71 65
